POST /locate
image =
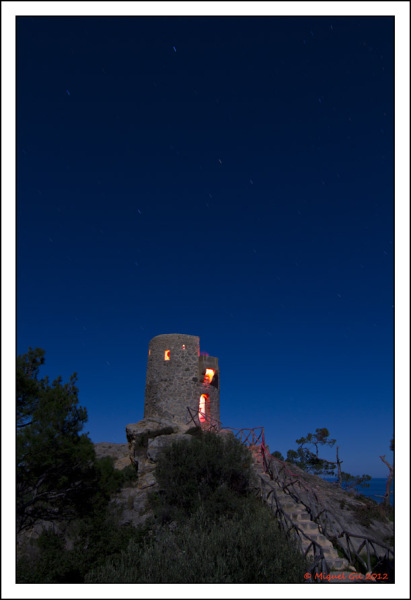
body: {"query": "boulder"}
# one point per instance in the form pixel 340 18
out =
pixel 138 435
pixel 146 480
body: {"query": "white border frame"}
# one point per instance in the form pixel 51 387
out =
pixel 401 11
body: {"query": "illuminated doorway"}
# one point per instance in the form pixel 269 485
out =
pixel 204 408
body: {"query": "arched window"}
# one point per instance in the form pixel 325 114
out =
pixel 167 355
pixel 204 408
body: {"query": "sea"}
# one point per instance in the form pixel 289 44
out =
pixel 376 488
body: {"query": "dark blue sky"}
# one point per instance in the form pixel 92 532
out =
pixel 227 177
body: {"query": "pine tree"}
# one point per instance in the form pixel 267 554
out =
pixel 54 459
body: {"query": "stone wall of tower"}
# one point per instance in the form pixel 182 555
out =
pixel 171 385
pixel 175 378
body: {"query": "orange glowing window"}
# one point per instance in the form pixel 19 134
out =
pixel 167 355
pixel 209 374
pixel 149 352
pixel 203 408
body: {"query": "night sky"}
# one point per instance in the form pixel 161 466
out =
pixel 226 177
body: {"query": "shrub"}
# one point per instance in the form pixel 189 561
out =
pixel 370 510
pixel 53 564
pixel 87 542
pixel 93 541
pixel 129 476
pixel 109 479
pixel 248 548
pixel 209 527
pixel 209 471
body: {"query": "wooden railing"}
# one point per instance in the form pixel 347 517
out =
pixel 328 522
pixel 318 510
pixel 209 424
pixel 249 437
pixel 312 550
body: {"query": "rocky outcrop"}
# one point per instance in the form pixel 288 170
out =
pixel 146 439
pixel 141 434
pixel 348 508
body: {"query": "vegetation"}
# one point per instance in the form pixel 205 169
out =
pixel 369 510
pixel 246 548
pixel 209 472
pixel 61 488
pixel 348 482
pixel 309 461
pixel 206 527
pixel 390 477
pixel 55 473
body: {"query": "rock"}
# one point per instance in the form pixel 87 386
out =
pixel 139 434
pixel 146 480
pixel 122 463
pixel 118 452
pixel 132 503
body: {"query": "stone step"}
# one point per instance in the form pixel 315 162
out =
pixel 311 537
pixel 287 507
pixel 281 494
pixel 339 567
pixel 307 526
pixel 298 515
pixel 285 499
pixel 319 539
pixel 333 561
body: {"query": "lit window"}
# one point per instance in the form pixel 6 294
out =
pixel 203 408
pixel 209 374
pixel 149 352
pixel 167 355
pixel 184 347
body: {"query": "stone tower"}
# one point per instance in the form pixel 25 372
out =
pixel 179 377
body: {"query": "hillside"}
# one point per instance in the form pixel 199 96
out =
pixel 357 514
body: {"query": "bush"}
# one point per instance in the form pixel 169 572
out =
pixel 370 511
pixel 67 554
pixel 109 479
pixel 209 471
pixel 53 563
pixel 86 544
pixel 129 476
pixel 248 548
pixel 209 528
